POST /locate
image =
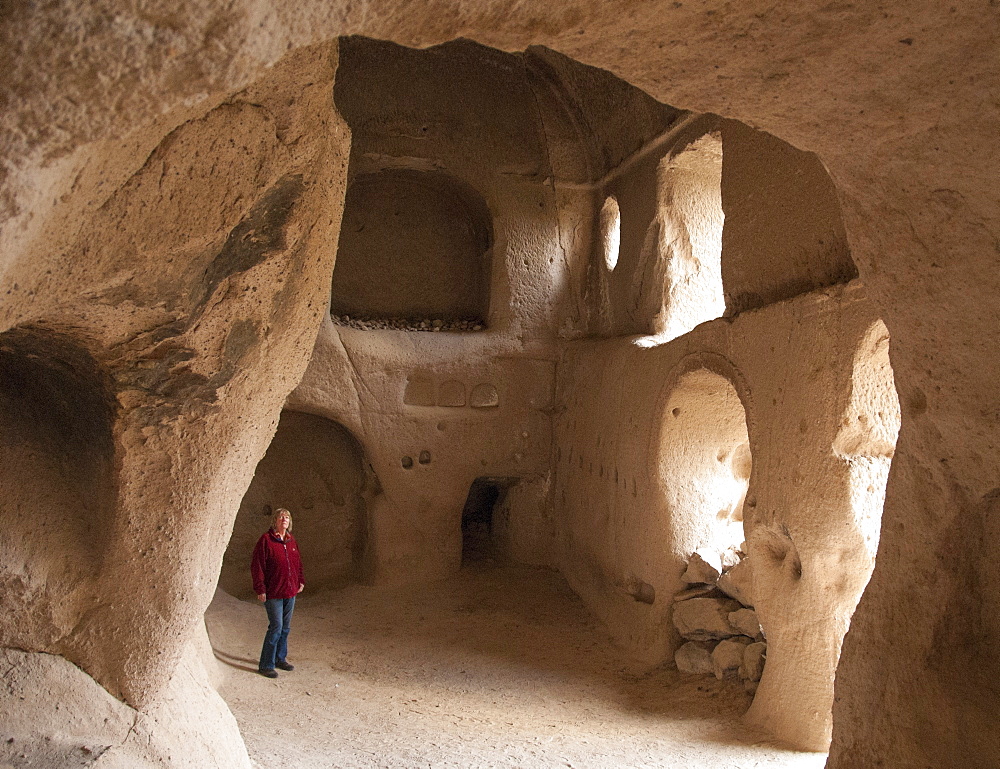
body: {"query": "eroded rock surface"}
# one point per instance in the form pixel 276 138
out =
pixel 168 237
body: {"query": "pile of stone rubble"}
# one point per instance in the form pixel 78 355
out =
pixel 715 616
pixel 408 324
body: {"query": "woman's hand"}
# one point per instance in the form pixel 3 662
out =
pixel 263 596
pixel 301 588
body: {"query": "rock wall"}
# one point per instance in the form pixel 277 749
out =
pixel 149 341
pixel 523 151
pixel 625 459
pixel 56 715
pixel 892 100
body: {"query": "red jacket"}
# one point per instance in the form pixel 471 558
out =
pixel 276 567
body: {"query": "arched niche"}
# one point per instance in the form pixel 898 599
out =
pixel 689 203
pixel 784 234
pixel 704 460
pixel 414 245
pixel 57 465
pixel 315 468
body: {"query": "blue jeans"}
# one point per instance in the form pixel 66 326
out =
pixel 279 622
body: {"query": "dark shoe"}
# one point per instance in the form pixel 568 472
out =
pixel 271 673
pixel 282 665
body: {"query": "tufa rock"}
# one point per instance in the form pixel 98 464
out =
pixel 705 565
pixel 694 657
pixel 727 657
pixel 704 619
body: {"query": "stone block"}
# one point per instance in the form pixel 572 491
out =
pixel 704 619
pixel 730 557
pixel 694 657
pixel 745 621
pixel 705 565
pixel 727 657
pixel 737 583
pixel 754 657
pixel 699 591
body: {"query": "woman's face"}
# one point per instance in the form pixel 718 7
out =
pixel 281 521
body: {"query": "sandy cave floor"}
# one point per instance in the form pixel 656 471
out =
pixel 495 667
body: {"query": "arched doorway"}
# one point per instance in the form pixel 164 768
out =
pixel 315 468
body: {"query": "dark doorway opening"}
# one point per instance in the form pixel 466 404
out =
pixel 481 519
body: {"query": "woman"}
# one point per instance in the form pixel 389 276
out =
pixel 277 578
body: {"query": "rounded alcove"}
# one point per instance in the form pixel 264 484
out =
pixel 57 464
pixel 705 460
pixel 415 252
pixel 315 468
pixel 689 203
pixel 866 440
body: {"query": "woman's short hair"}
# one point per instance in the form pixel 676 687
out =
pixel 278 512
